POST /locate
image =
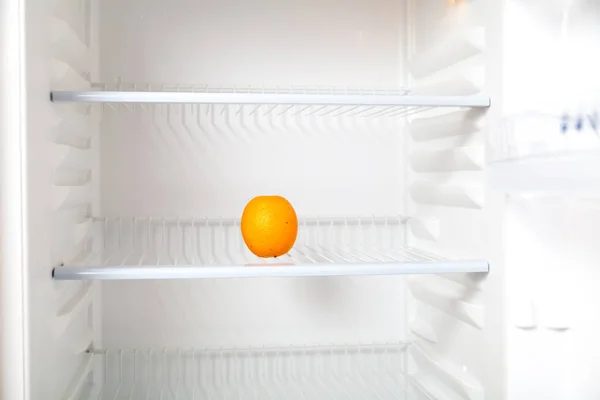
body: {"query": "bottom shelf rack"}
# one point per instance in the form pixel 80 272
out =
pixel 161 248
pixel 349 372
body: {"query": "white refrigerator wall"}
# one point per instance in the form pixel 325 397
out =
pixel 201 161
pixel 455 320
pixel 57 184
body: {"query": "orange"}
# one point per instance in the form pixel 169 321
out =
pixel 269 226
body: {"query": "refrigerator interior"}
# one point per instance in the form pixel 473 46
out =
pixel 132 189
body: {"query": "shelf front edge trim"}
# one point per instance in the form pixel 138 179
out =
pixel 478 100
pixel 265 270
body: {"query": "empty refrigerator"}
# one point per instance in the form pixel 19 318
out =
pixel 140 129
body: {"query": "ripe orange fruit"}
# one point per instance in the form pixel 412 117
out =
pixel 269 226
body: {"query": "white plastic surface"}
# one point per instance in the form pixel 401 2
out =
pixel 63 181
pixel 467 81
pixel 77 384
pixel 447 51
pixel 446 151
pixel 451 376
pixel 67 77
pixel 423 328
pixel 448 297
pixel 72 310
pixel 470 196
pixel 67 45
pixel 448 160
pixel 457 123
pixel 423 228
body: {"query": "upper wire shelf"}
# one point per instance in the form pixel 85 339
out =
pixel 345 99
pixel 162 248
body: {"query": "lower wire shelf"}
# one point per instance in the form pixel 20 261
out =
pixel 319 372
pixel 162 248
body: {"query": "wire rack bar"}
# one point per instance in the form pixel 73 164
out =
pixel 257 271
pixel 228 222
pixel 269 98
pixel 303 349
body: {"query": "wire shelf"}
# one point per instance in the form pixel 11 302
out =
pixel 299 101
pixel 319 372
pixel 175 248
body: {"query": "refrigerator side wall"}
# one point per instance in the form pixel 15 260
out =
pixel 453 44
pixel 13 376
pixel 57 181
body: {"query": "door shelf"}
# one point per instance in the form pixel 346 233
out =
pixel 315 372
pixel 160 248
pixel 547 154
